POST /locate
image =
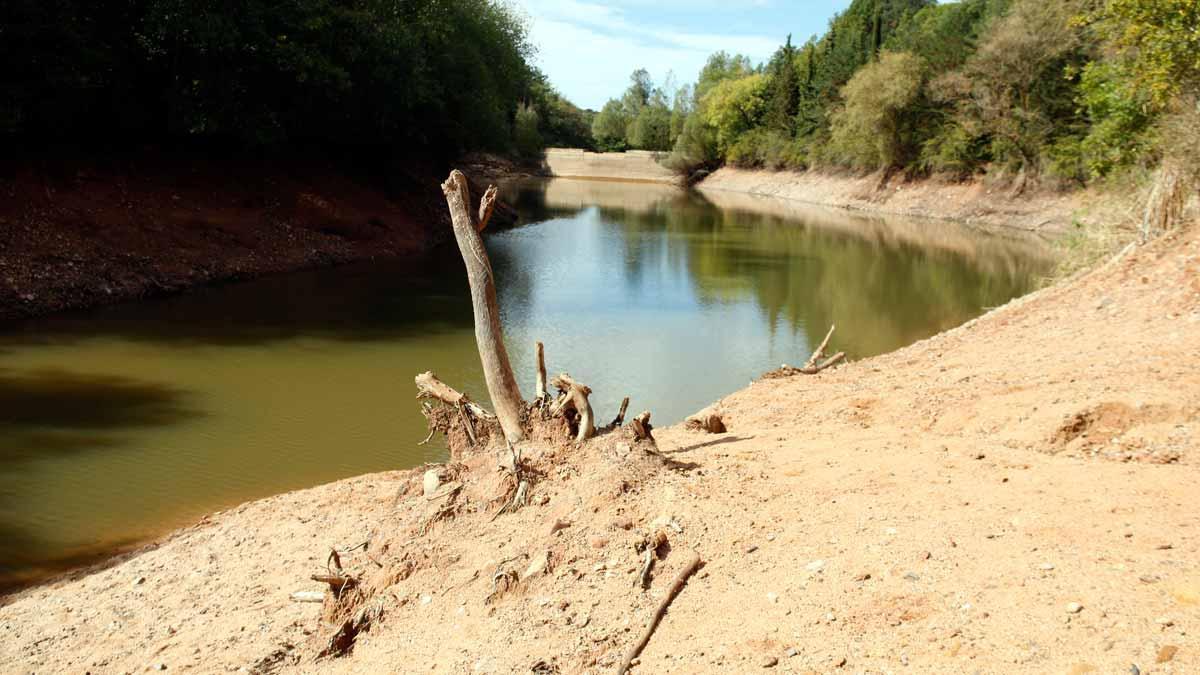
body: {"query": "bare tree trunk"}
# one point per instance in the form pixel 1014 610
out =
pixel 489 337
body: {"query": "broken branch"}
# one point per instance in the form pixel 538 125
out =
pixel 687 571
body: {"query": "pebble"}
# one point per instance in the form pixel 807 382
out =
pixel 770 662
pixel 1166 653
pixel 1165 621
pixel 815 566
pixel 538 565
pixel 598 541
pixel 1074 608
pixel 160 666
pixel 559 524
pixel 912 576
pixel 839 661
pixel 862 576
pixel 1046 566
pixel 139 581
pixel 432 481
pixel 426 599
pixel 792 651
pixel 772 597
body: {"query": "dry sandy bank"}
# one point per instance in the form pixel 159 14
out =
pixel 1017 495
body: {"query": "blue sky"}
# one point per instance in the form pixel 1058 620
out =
pixel 588 49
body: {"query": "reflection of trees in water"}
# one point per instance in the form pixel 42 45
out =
pixel 884 291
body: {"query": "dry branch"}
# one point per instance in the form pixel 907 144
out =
pixel 429 386
pixel 687 571
pixel 540 393
pixel 620 418
pixel 820 351
pixel 489 337
pixel 641 427
pixel 574 396
pixel 814 364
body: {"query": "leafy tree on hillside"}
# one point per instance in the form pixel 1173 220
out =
pixel 871 131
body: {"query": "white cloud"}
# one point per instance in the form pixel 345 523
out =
pixel 589 50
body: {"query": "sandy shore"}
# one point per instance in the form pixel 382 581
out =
pixel 975 202
pixel 1017 495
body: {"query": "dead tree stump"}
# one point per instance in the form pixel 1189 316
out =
pixel 489 337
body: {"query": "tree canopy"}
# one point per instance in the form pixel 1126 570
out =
pixel 445 75
pixel 1070 90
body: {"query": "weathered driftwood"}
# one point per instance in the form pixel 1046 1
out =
pixel 337 582
pixel 641 427
pixel 620 418
pixel 574 396
pixel 814 364
pixel 540 393
pixel 429 386
pixel 489 337
pixel 692 565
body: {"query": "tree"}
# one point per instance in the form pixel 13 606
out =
pixel 1012 90
pixel 1161 39
pixel 870 132
pixel 784 100
pixel 525 132
pixel 610 127
pixel 733 107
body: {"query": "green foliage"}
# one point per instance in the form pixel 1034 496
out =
pixel 1161 40
pixel 610 126
pixel 784 97
pixel 641 118
pixel 443 75
pixel 1012 90
pixel 734 107
pixel 528 139
pixel 1120 129
pixel 870 132
pixel 651 128
pixel 560 123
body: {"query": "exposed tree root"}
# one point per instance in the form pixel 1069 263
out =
pixel 574 396
pixel 642 428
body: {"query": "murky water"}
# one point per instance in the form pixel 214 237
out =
pixel 119 423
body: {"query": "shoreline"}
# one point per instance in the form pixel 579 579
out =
pixel 931 518
pixel 972 202
pixel 492 169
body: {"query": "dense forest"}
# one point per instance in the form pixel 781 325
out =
pixel 1069 90
pixel 440 76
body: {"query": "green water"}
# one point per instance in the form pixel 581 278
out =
pixel 119 423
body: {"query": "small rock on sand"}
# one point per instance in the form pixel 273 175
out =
pixel 432 482
pixel 770 661
pixel 1166 653
pixel 1074 608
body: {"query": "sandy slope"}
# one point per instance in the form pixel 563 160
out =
pixel 932 510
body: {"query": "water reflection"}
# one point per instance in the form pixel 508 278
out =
pixel 118 422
